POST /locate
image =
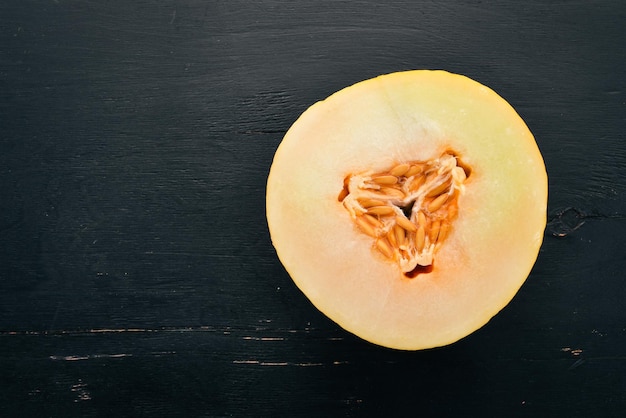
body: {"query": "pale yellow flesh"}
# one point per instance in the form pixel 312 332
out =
pixel 373 125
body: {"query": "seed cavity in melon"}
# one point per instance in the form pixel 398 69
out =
pixel 409 208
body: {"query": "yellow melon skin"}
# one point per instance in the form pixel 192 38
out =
pixel 408 116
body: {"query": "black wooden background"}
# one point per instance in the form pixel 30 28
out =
pixel 137 277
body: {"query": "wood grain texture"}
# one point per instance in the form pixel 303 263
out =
pixel 137 277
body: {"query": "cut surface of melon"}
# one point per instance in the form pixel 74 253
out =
pixel 369 129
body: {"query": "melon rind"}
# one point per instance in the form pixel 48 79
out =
pixel 407 116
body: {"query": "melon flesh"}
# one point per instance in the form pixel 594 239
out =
pixel 372 125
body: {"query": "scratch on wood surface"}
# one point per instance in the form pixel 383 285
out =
pixel 572 351
pixel 81 390
pixel 203 328
pixel 576 364
pixel 226 330
pixel 283 363
pixel 263 338
pixel 88 357
pixel 107 356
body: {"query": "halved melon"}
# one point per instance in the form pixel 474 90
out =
pixel 409 208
